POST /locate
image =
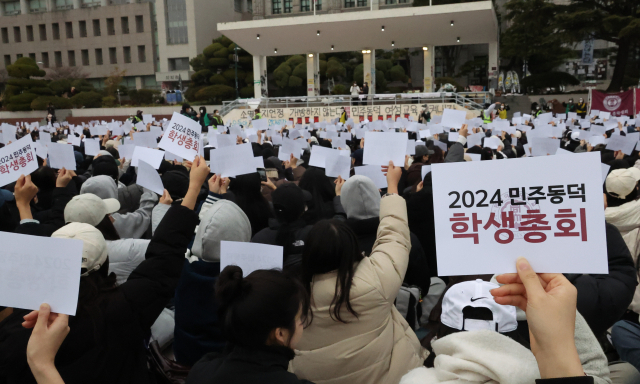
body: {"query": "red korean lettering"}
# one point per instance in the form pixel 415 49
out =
pixel 22 161
pixel 189 143
pixel 567 224
pixel 533 223
pixel 460 226
pixel 172 135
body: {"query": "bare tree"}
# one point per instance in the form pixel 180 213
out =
pixel 65 73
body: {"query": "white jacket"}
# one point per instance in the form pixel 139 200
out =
pixel 627 219
pixel 125 255
pixel 355 90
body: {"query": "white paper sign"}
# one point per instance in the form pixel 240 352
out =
pixel 36 270
pixel 232 161
pixel 557 234
pixel 319 155
pixel 382 147
pixel 250 256
pixel 17 158
pixel 337 165
pixel 148 177
pixel 152 157
pixel 91 147
pixel 61 156
pixel 374 172
pixel 181 137
pixel 452 118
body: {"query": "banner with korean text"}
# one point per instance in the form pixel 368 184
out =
pixel 548 209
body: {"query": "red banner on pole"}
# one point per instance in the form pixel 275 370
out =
pixel 618 104
pixel 637 91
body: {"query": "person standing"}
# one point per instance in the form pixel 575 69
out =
pixel 137 118
pixel 257 115
pixel 355 91
pixel 569 107
pixel 581 108
pixel 343 116
pixel 217 119
pixel 425 115
pixel 365 92
pixel 188 112
pixel 205 120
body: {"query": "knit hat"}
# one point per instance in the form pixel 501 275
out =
pixel 94 248
pixel 289 202
pixel 176 183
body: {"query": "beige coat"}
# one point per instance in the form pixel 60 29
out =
pixel 379 346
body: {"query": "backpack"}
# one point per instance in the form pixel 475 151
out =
pixel 408 304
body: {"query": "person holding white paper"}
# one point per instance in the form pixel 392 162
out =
pixel 419 159
pixel 353 296
pixel 323 204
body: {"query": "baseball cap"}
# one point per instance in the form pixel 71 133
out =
pixel 289 201
pixel 89 209
pixel 422 150
pixel 475 294
pixel 94 248
pixel 621 182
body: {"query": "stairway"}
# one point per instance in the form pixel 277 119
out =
pixel 520 104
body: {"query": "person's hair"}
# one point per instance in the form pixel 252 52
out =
pixel 44 178
pixel 109 232
pixel 486 154
pixel 420 159
pixel 322 190
pixel 247 190
pixel 251 308
pixel 331 245
pixel 114 152
pixel 91 293
pixel 215 111
pixel 437 156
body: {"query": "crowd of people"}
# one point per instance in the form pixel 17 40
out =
pixel 359 298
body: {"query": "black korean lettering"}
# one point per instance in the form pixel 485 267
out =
pixel 453 205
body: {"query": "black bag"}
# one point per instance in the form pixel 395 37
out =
pixel 164 370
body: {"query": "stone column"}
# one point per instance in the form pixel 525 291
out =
pixel 494 64
pixel 257 74
pixel 258 9
pixel 24 7
pixel 429 67
pixel 311 78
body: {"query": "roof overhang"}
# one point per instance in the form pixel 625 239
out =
pixel 408 27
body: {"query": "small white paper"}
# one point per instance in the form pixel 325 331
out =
pixel 36 270
pixel 145 139
pixel 148 177
pixel 337 165
pixel 232 161
pixel 182 137
pixel 11 166
pixel 98 130
pixel 45 137
pixel 474 156
pixel 425 170
pixel 61 156
pixel 74 140
pixel 319 155
pixel 126 151
pixel 382 147
pixel 147 118
pixel 250 256
pixel 152 157
pixel 374 172
pixel 411 147
pixel 260 124
pixel 452 118
pixel 604 115
pixel 91 147
pixel 605 171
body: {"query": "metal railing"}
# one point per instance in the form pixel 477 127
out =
pixel 469 100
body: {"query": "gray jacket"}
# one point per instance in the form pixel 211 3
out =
pixel 125 255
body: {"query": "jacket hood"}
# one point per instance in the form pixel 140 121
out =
pixel 102 186
pixel 224 221
pixel 624 217
pixel 477 357
pixel 360 198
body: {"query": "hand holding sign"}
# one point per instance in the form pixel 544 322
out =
pixel 182 137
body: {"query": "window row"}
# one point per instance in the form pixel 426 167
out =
pixel 286 6
pixel 84 57
pixel 13 7
pixel 69 31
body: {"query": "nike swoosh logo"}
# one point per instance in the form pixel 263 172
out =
pixel 472 299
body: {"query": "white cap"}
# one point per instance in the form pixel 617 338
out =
pixel 94 248
pixel 89 208
pixel 621 182
pixel 476 294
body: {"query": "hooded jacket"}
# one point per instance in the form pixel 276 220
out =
pixel 108 347
pixel 125 255
pixel 130 225
pixel 197 331
pixel 489 357
pixel 361 202
pixel 626 218
pixel 378 346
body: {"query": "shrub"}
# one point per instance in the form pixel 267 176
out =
pixel 221 53
pixel 247 92
pixel 383 65
pixel 59 87
pixel 23 98
pixel 340 89
pixel 41 91
pixel 296 60
pixel 42 102
pixel 143 96
pixel 300 71
pixel 25 67
pixel 335 69
pixel 295 81
pixel 542 81
pixel 87 100
pixel 230 74
pixel 210 50
pixel 201 76
pixel 397 73
pixel 28 83
pixel 218 62
pixel 216 93
pixel 217 79
pixel 13 107
pixel 108 101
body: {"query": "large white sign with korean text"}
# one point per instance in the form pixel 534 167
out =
pixel 548 209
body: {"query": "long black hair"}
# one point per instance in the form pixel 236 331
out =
pixel 108 230
pixel 248 196
pixel 331 245
pixel 322 191
pixel 251 308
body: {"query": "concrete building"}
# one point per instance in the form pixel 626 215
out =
pixel 152 41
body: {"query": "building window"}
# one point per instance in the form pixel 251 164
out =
pixel 32 56
pixel 12 8
pixel 126 51
pixel 305 5
pixel 37 6
pixel 176 14
pixel 113 58
pixel 5 35
pixel 19 56
pixel 142 54
pixel 179 64
pixel 82 25
pixel 57 56
pixel 90 3
pixel 111 27
pixel 250 6
pixel 389 1
pixel 403 1
pixel 42 30
pixel 71 56
pixel 29 32
pixel 45 59
pixel 55 30
pixel 318 5
pixel 64 4
pixel 7 60
pixel 362 3
pixel 140 23
pixel 84 55
pixel 98 56
pixel 96 27
pixel 277 7
pixel 349 3
pixel 237 5
pixel 288 6
pixel 16 35
pixel 124 24
pixel 68 26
